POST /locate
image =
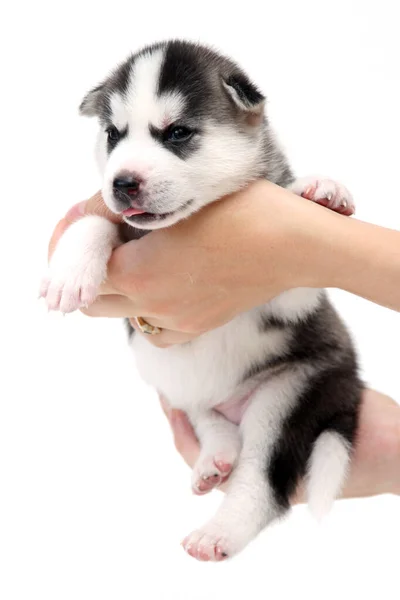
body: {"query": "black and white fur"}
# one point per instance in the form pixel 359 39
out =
pixel 188 127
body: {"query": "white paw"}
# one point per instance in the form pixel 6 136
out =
pixel 326 192
pixel 78 265
pixel 214 542
pixel 72 287
pixel 213 468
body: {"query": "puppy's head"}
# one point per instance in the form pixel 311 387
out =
pixel 180 126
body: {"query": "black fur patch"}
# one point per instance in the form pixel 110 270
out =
pixel 330 403
pixel 182 149
pixel 269 322
pixel 111 144
pixel 247 92
pixel 320 337
pixel 184 70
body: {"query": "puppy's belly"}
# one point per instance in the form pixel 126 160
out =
pixel 234 407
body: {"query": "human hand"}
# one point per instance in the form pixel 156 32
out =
pixel 375 468
pixel 231 256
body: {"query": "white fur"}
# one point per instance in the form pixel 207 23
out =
pixel 327 471
pixel 294 305
pixel 207 372
pixel 170 182
pixel 249 505
pixel 79 264
pixel 143 105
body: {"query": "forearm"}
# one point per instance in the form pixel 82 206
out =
pixel 324 249
pixel 367 263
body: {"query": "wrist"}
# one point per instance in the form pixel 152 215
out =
pixel 290 239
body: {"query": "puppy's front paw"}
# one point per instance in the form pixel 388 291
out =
pixel 326 192
pixel 79 264
pixel 70 287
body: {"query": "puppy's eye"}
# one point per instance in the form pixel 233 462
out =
pixel 178 134
pixel 113 134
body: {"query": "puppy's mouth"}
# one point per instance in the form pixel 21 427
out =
pixel 131 212
pixel 138 217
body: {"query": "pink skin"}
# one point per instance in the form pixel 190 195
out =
pixel 205 484
pixel 332 203
pixel 129 212
pixel 234 408
pixel 214 553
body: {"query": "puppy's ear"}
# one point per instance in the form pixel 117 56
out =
pixel 92 102
pixel 245 96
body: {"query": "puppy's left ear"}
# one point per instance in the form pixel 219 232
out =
pixel 92 102
pixel 245 96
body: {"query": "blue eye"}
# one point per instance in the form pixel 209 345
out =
pixel 178 134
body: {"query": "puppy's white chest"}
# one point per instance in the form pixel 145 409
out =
pixel 186 376
pixel 208 370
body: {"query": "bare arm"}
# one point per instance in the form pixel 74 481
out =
pixel 348 254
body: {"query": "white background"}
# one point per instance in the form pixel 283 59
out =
pixel 94 500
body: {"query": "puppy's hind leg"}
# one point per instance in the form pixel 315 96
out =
pixel 220 448
pixel 250 502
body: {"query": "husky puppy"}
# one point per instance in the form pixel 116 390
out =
pixel 274 394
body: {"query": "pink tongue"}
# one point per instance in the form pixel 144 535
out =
pixel 129 212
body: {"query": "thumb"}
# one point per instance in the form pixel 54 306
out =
pixel 93 206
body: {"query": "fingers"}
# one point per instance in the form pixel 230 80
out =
pixel 185 439
pixel 111 305
pixel 120 307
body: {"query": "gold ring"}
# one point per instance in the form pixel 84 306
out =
pixel 146 327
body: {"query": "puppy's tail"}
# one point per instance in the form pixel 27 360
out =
pixel 327 471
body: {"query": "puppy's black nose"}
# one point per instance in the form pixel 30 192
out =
pixel 127 185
